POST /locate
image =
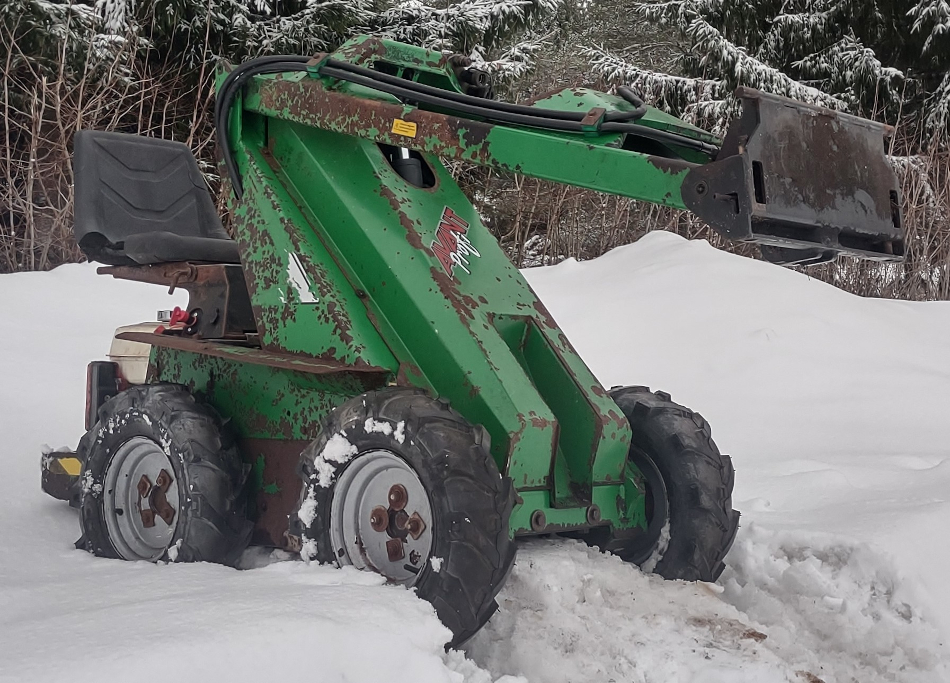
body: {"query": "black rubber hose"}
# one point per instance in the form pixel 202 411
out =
pixel 531 121
pixel 479 110
pixel 630 95
pixel 225 100
pixel 661 136
pixel 507 107
pixel 460 98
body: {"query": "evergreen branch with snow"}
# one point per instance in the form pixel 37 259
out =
pixel 933 18
pixel 737 67
pixel 677 95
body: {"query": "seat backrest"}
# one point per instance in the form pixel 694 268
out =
pixel 128 185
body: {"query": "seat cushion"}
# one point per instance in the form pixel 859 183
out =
pixel 143 200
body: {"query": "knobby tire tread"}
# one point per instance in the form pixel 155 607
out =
pixel 448 454
pixel 212 524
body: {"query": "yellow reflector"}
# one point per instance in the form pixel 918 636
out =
pixel 72 466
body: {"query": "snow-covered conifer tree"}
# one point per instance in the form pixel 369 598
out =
pixel 843 54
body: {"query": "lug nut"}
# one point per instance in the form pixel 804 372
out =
pixel 416 525
pixel 379 518
pixel 395 550
pixel 398 497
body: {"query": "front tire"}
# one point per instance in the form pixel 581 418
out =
pixel 161 480
pixel 400 484
pixel 691 523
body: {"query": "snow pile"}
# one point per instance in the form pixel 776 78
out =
pixel 787 612
pixel 834 608
pixel 833 407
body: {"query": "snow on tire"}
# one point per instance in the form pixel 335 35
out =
pixel 401 484
pixel 162 480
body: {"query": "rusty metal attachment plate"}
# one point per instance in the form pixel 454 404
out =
pixel 797 177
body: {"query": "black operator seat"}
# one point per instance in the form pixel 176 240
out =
pixel 141 200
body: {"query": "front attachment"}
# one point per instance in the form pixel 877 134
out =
pixel 806 182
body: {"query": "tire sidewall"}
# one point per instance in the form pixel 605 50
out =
pixel 453 464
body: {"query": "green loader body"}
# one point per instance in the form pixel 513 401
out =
pixel 364 268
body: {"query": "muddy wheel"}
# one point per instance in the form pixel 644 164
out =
pixel 161 481
pixel 400 484
pixel 688 482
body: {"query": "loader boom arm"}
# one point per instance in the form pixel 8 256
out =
pixel 799 179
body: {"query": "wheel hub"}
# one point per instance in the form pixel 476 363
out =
pixel 141 516
pixel 156 502
pixel 381 517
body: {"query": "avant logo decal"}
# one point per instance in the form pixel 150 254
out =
pixel 451 245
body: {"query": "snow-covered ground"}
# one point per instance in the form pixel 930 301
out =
pixel 836 411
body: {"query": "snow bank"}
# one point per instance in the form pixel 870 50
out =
pixel 832 607
pixel 784 612
pixel 833 407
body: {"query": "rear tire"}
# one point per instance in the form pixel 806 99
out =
pixel 691 523
pixel 397 437
pixel 161 480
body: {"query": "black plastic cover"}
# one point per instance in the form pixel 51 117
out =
pixel 143 200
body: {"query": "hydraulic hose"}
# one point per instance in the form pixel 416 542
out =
pixel 630 95
pixel 378 76
pixel 410 91
pixel 480 109
pixel 225 99
pixel 488 110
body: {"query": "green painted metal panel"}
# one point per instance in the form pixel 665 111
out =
pixel 260 402
pixel 348 261
pixel 383 236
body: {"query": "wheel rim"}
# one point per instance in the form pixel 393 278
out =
pixel 657 505
pixel 141 502
pixel 381 517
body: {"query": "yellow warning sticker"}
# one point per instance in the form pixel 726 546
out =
pixel 407 128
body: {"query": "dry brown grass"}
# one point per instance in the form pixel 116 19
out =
pixel 40 111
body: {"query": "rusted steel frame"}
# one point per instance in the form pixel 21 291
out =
pixel 771 183
pixel 583 161
pixel 276 486
pixel 170 274
pixel 253 356
pixel 218 298
pixel 883 129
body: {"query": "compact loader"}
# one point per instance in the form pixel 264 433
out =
pixel 362 377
